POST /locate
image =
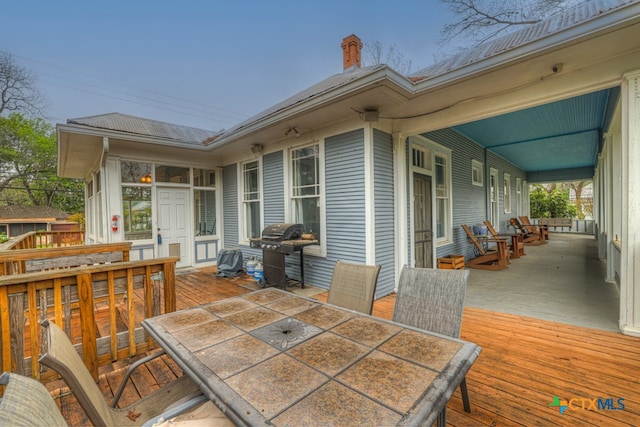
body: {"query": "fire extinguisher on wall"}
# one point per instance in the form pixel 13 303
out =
pixel 115 223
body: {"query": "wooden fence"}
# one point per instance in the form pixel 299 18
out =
pixel 45 239
pixel 100 307
pixel 21 261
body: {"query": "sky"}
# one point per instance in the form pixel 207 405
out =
pixel 209 64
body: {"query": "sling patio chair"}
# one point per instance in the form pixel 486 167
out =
pixel 535 228
pixel 353 286
pixel 27 402
pixel 514 240
pixel 494 258
pixel 433 300
pixel 181 398
pixel 528 237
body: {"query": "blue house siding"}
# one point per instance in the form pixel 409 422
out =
pixel 345 198
pixel 470 202
pixel 273 188
pixel 384 211
pixel 230 205
pixel 345 206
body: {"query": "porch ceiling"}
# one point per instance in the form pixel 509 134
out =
pixel 562 135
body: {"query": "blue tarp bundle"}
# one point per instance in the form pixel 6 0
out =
pixel 229 263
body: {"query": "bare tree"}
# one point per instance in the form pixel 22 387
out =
pixel 481 20
pixel 374 52
pixel 18 90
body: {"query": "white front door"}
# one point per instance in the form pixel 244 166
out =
pixel 174 223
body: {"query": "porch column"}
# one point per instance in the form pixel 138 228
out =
pixel 630 245
pixel 400 167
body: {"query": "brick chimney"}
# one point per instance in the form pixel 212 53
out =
pixel 351 47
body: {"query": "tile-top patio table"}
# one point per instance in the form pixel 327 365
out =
pixel 272 357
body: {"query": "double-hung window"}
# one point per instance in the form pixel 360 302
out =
pixel 305 189
pixel 204 202
pixel 506 178
pixel 136 179
pixel 251 223
pixel 443 196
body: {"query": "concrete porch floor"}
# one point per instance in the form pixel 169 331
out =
pixel 561 281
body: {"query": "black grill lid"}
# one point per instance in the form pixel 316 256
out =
pixel 280 232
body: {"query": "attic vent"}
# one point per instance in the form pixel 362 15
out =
pixel 418 158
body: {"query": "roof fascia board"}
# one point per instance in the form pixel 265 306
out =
pixel 385 76
pixel 101 132
pixel 618 18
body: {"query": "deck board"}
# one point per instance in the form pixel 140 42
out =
pixel 524 363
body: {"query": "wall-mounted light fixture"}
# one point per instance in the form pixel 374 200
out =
pixel 294 131
pixel 256 148
pixel 146 179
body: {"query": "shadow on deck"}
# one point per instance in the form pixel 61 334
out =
pixel 524 364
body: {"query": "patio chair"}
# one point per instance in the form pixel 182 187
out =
pixel 353 286
pixel 27 402
pixel 433 300
pixel 528 237
pixel 172 400
pixel 495 258
pixel 535 228
pixel 516 245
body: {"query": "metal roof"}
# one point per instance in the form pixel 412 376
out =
pixel 578 14
pixel 140 126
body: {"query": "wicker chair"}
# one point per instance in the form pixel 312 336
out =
pixel 178 398
pixel 353 286
pixel 26 402
pixel 433 300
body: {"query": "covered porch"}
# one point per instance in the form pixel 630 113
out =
pixel 530 321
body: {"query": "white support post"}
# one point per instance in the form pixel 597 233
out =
pixel 630 245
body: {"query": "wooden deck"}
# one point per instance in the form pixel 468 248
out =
pixel 524 363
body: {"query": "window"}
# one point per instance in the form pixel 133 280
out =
pixel 443 196
pixel 305 189
pixel 98 201
pixel 519 196
pixel 506 179
pixel 250 217
pixel 90 210
pixel 204 202
pixel 493 197
pixel 136 182
pixel 477 173
pixel 172 174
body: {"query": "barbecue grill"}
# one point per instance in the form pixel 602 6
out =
pixel 278 241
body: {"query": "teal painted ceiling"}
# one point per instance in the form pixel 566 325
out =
pixel 557 136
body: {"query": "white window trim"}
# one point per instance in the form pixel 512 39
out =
pixel 493 172
pixel 434 148
pixel 448 227
pixel 519 195
pixel 506 184
pixel 479 166
pixel 243 239
pixel 314 250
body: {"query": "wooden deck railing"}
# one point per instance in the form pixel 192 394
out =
pixel 21 261
pixel 118 296
pixel 45 239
